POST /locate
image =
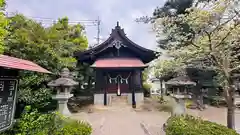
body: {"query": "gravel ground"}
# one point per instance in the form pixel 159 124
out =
pixel 126 121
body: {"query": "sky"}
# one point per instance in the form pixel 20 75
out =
pixel 108 11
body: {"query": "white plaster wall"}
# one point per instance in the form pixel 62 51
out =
pixel 139 97
pixel 98 99
pixel 129 98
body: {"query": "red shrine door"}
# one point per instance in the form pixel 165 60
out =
pixel 118 82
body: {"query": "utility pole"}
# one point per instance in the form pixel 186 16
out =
pixel 98 31
pixel 98 23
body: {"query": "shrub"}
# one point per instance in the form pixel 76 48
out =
pixel 72 127
pixel 34 123
pixel 190 104
pixel 146 88
pixel 189 125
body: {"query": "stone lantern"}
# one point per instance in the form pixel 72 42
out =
pixel 63 85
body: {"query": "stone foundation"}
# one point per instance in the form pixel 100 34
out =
pixel 99 98
pixel 139 97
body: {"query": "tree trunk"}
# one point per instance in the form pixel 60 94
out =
pixel 229 97
pixel 201 99
pixel 231 108
pixel 89 83
pixel 231 116
pixel 161 88
pixel 199 96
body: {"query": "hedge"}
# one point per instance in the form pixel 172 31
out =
pixel 34 123
pixel 190 125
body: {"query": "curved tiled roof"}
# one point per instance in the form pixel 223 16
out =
pixel 146 55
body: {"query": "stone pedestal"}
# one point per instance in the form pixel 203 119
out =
pixel 62 108
pixel 62 103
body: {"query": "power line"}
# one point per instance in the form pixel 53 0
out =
pixel 51 21
pixel 44 18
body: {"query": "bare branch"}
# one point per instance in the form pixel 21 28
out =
pixel 223 39
pixel 209 40
pixel 215 60
pixel 191 42
pixel 237 12
pixel 235 68
pixel 209 35
pixel 220 25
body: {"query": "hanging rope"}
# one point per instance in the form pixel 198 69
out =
pixel 125 79
pixel 114 79
pixel 111 79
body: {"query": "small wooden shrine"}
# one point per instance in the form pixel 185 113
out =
pixel 118 63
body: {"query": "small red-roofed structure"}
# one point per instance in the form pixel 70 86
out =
pixel 9 79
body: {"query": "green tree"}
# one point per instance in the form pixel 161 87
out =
pixel 214 41
pixel 171 9
pixel 163 69
pixel 51 47
pixel 3 25
pixel 147 87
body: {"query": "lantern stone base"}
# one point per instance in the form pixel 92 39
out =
pixel 62 103
pixel 63 109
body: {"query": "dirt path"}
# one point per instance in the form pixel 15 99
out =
pixel 124 122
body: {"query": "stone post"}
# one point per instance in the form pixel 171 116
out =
pixel 63 85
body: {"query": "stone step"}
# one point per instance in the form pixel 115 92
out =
pixel 119 100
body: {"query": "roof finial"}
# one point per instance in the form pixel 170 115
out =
pixel 117 23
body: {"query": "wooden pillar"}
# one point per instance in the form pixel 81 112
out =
pixel 133 90
pixel 140 79
pixel 105 89
pixel 133 99
pixel 137 80
pixel 98 76
pixel 105 98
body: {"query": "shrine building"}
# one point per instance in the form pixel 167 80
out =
pixel 118 64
